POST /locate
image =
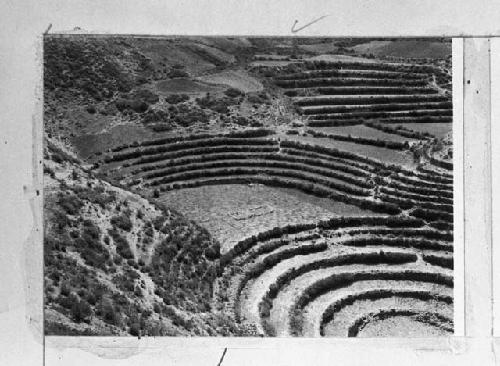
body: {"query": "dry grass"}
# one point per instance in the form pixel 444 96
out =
pixel 234 79
pixel 233 212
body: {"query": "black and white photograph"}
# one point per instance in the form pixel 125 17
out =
pixel 248 186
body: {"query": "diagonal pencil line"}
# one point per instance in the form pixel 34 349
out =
pixel 306 25
pixel 222 357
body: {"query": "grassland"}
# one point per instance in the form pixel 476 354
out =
pixel 233 212
pixel 361 131
pixel 436 129
pixel 234 79
pixel 185 86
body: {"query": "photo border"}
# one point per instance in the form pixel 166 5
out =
pixel 441 344
pixel 22 113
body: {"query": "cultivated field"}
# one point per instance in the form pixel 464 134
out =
pixel 235 79
pixel 248 187
pixel 235 211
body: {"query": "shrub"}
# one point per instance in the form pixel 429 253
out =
pixel 242 121
pixel 122 245
pixel 442 261
pixel 233 92
pixel 138 291
pixel 441 225
pixel 161 127
pixel 177 73
pixel 107 311
pixel 69 203
pixel 176 98
pixel 65 289
pixel 81 311
pixel 432 215
pixel 123 222
pixel 144 95
pixel 96 195
pixel 138 106
pixel 155 115
pixel 213 252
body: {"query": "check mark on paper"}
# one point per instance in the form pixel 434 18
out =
pixel 295 30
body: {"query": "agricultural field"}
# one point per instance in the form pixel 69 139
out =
pixel 362 131
pixel 185 86
pixel 435 129
pixel 235 79
pixel 234 212
pixel 297 187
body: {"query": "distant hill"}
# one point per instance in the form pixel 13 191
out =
pixel 405 48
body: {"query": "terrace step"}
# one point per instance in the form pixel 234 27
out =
pixel 169 148
pixel 309 175
pixel 202 151
pixel 347 81
pixel 288 271
pixel 346 72
pixel 342 279
pixel 366 99
pixel 410 106
pixel 349 319
pixel 434 115
pixel 380 90
pixel 321 313
pixel 393 66
pixel 325 168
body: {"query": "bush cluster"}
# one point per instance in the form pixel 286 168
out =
pixel 217 141
pixel 265 161
pixel 122 221
pixel 328 73
pixel 176 98
pixel 122 244
pixel 89 69
pixel 346 90
pixel 250 133
pixel 369 100
pixel 342 81
pixel 219 105
pixel 439 260
pixel 395 145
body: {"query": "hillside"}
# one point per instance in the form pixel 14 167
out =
pixel 248 186
pixel 113 264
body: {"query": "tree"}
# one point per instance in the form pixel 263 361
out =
pixel 81 311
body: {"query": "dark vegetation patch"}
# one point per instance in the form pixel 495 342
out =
pixel 88 67
pixel 182 268
pixel 220 105
pixel 176 98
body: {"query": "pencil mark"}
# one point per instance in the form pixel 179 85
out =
pixel 222 357
pixel 48 29
pixel 306 25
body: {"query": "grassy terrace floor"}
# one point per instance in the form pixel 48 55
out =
pixel 375 152
pixel 236 211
